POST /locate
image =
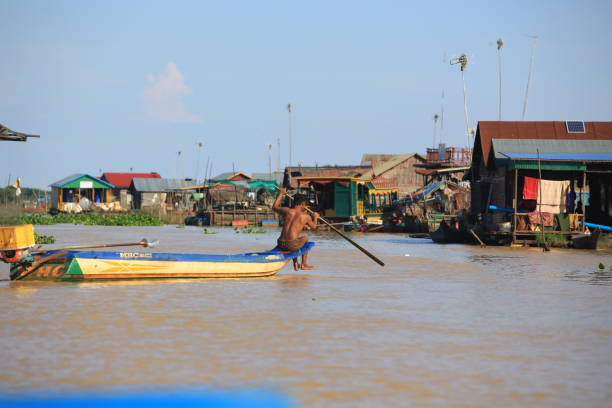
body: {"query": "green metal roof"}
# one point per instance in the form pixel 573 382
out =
pixel 74 181
pixel 546 165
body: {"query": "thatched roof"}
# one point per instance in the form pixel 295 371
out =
pixel 11 135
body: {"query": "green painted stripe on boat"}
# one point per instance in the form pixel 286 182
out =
pixel 74 270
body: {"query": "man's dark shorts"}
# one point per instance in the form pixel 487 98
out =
pixel 292 245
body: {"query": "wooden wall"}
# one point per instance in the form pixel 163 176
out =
pixel 403 176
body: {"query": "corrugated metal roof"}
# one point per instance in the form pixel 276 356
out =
pixel 588 150
pixel 325 171
pixel 277 176
pixel 149 185
pixel 223 176
pixel 330 171
pixel 488 131
pixel 123 180
pixel 75 176
pixel 379 165
pixel 562 156
pixel 230 176
pixel 374 160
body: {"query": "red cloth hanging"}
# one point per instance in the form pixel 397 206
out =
pixel 530 188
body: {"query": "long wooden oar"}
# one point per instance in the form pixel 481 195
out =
pixel 356 245
pixel 143 243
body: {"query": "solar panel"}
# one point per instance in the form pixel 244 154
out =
pixel 575 126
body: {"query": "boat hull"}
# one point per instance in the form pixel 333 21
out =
pixel 586 241
pixel 78 266
pixel 446 234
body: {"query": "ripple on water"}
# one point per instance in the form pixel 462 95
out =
pixel 448 325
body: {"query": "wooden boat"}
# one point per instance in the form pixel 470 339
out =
pixel 445 234
pixel 70 265
pixel 586 241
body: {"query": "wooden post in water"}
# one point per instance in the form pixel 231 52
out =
pixel 582 200
pixel 515 202
pixel 545 246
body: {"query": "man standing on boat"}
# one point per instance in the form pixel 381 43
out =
pixel 294 221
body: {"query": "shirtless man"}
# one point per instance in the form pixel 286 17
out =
pixel 295 219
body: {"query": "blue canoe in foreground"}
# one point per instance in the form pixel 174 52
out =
pixel 69 265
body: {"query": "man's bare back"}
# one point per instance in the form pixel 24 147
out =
pixel 295 220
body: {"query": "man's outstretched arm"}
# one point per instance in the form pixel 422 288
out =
pixel 276 207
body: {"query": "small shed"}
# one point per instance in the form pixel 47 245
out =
pixel 174 194
pixel 80 189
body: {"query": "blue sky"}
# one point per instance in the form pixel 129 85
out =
pixel 117 85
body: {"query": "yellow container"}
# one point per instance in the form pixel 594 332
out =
pixel 16 237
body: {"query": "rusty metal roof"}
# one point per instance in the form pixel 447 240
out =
pixel 123 180
pixel 324 171
pixel 487 131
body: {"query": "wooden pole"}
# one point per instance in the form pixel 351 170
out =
pixel 356 245
pixel 515 201
pixel 583 199
pixel 545 246
pixel 482 244
pixel 144 243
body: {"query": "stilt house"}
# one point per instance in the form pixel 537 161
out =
pixel 561 168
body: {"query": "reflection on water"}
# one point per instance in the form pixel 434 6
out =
pixel 596 277
pixel 448 325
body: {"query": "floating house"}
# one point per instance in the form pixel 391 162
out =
pixel 166 194
pixel 445 164
pixel 292 173
pixel 395 170
pixel 258 188
pixel 561 169
pixel 80 192
pixel 122 182
pixel 341 198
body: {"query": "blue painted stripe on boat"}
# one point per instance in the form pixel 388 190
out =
pixel 251 257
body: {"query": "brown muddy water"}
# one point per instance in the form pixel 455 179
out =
pixel 438 326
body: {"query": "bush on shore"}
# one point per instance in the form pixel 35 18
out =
pixel 133 220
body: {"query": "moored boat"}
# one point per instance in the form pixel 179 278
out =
pixel 446 234
pixel 586 241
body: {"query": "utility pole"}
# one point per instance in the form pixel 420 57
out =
pixel 278 159
pixel 290 137
pixel 462 60
pixel 199 144
pixel 178 159
pixel 435 119
pixel 270 160
pixel 533 48
pixel 500 44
